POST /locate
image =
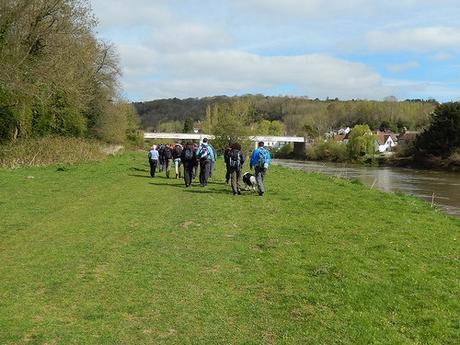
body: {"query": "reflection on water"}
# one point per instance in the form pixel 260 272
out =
pixel 444 186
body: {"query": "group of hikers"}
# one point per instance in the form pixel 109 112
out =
pixel 193 156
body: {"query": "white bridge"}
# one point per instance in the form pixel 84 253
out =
pixel 268 140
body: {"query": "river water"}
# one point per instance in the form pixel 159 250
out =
pixel 445 186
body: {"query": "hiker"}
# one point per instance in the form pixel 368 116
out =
pixel 161 158
pixel 260 160
pixel 195 148
pixel 235 163
pixel 213 161
pixel 153 160
pixel 205 154
pixel 226 160
pixel 189 161
pixel 167 156
pixel 176 153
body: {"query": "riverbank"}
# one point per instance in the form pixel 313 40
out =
pixel 101 253
pixel 451 164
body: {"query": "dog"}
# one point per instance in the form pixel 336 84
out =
pixel 250 181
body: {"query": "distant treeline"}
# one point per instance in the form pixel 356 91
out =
pixel 299 115
pixel 56 77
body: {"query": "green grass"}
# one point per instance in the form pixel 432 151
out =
pixel 100 254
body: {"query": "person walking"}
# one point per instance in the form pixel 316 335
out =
pixel 205 154
pixel 260 160
pixel 226 160
pixel 195 148
pixel 167 157
pixel 153 160
pixel 189 162
pixel 176 154
pixel 213 161
pixel 161 159
pixel 235 163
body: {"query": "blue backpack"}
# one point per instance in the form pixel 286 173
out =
pixel 262 157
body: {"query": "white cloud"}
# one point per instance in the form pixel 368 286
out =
pixel 188 36
pixel 176 48
pixel 422 39
pixel 402 67
pixel 441 57
pixel 200 73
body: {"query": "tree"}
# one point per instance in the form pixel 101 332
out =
pixel 188 125
pixel 361 142
pixel 442 137
pixel 56 77
pixel 230 123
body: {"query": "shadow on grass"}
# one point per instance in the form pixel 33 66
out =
pixel 144 176
pixel 137 169
pixel 204 190
pixel 167 185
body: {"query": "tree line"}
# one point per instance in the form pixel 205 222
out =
pixel 57 77
pixel 299 116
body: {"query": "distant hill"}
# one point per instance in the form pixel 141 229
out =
pixel 152 113
pixel 297 113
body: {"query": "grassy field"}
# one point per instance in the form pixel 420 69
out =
pixel 101 254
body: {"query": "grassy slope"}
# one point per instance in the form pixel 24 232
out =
pixel 100 254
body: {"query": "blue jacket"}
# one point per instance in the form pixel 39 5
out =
pixel 255 157
pixel 153 154
pixel 210 150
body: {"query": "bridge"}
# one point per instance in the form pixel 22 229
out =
pixel 267 139
pixel 270 141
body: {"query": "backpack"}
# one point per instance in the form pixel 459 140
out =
pixel 262 158
pixel 150 154
pixel 167 153
pixel 203 152
pixel 177 151
pixel 235 158
pixel 188 155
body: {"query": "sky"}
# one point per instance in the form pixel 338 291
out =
pixel 353 49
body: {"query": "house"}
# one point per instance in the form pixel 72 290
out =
pixel 385 141
pixel 407 137
pixel 342 138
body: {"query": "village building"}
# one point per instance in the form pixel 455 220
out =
pixel 385 141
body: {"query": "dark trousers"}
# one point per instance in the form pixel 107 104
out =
pixel 153 166
pixel 227 173
pixel 235 175
pixel 194 170
pixel 205 168
pixel 260 174
pixel 188 173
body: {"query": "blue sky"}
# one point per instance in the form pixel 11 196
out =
pixel 348 49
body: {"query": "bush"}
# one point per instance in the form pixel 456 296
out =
pixel 285 151
pixel 50 150
pixel 329 150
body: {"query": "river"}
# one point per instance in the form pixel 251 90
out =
pixel 442 187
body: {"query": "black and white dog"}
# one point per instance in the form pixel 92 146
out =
pixel 250 181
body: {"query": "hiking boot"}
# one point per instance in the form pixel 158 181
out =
pixel 261 193
pixel 239 192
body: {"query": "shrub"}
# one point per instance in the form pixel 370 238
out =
pixel 285 151
pixel 48 151
pixel 329 150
